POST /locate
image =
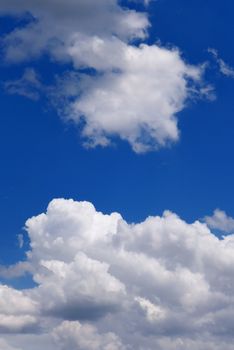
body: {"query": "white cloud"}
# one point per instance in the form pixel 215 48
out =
pixel 54 24
pixel 221 221
pixel 17 270
pixel 20 237
pixel 136 90
pixel 157 284
pixel 28 85
pixel 152 311
pixel 75 336
pixel 224 68
pixel 82 289
pixel 17 311
pixel 139 102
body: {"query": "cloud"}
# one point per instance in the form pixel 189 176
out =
pixel 20 240
pixel 153 312
pixel 224 68
pixel 221 221
pixel 4 345
pixel 101 282
pixel 53 25
pixel 139 102
pixel 17 311
pixel 28 85
pixel 122 87
pixel 16 270
pixel 85 337
pixel 82 289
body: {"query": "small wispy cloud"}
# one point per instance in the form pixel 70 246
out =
pixel 224 68
pixel 28 85
pixel 20 240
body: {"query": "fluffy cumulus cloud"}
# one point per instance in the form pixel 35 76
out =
pixel 124 87
pixel 139 101
pixel 17 311
pixel 53 25
pixel 85 337
pixel 220 221
pixel 102 283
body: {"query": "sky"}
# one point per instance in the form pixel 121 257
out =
pixel 116 150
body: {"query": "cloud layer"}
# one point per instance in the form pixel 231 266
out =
pixel 106 284
pixel 124 87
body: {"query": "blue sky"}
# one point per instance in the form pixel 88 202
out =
pixel 42 152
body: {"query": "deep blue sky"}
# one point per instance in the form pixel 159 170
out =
pixel 42 158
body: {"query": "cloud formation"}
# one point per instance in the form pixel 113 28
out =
pixel 105 284
pixel 220 221
pixel 28 85
pixel 224 68
pixel 124 87
pixel 85 337
pixel 17 311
